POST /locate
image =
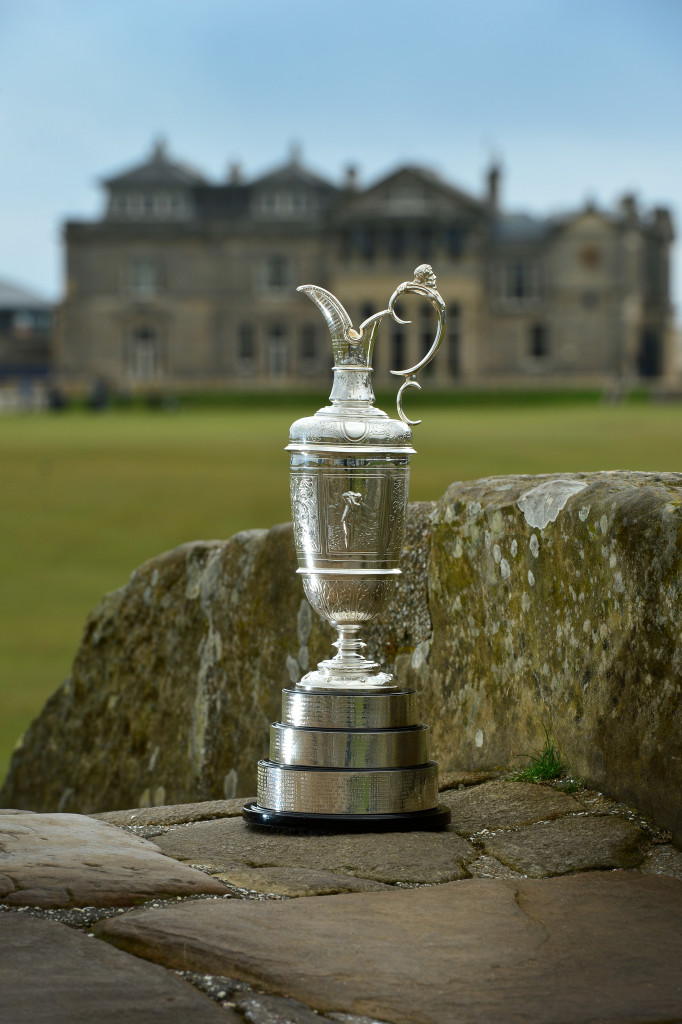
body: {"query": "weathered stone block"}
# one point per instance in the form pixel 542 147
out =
pixel 528 603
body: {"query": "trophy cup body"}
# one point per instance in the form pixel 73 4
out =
pixel 349 752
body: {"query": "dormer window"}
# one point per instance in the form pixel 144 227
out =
pixel 285 203
pixel 160 204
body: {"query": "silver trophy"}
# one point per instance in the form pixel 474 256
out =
pixel 349 753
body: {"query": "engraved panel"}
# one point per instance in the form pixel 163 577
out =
pixel 397 502
pixel 304 511
pixel 355 520
pixel 351 599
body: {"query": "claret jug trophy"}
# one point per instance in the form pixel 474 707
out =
pixel 349 753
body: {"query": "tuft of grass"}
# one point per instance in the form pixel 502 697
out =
pixel 543 766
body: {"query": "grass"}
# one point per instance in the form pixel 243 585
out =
pixel 543 766
pixel 88 496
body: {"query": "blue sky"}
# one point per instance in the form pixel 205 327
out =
pixel 578 99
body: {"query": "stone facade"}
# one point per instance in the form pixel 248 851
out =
pixel 186 284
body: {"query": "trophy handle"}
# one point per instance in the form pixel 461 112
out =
pixel 424 283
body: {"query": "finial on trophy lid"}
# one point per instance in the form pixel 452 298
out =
pixel 349 753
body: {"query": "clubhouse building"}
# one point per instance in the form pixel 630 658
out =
pixel 189 284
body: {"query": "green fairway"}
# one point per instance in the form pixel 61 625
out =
pixel 87 496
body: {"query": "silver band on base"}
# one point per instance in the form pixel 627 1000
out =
pixel 340 791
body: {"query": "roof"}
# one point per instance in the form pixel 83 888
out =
pixel 428 178
pixel 291 173
pixel 520 227
pixel 159 169
pixel 13 296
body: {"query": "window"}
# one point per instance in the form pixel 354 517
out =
pixel 276 273
pixel 519 280
pixel 398 351
pixel 308 344
pixel 364 243
pixel 427 335
pixel 453 341
pixel 396 242
pixel 539 345
pixel 454 241
pixel 296 202
pixel 425 243
pixel 143 279
pixel 366 311
pixel 277 352
pixel 144 356
pixel 247 349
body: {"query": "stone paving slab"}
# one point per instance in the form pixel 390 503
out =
pixel 426 857
pixel 570 844
pixel 294 881
pixel 71 860
pixel 663 860
pixel 175 814
pixel 603 946
pixel 504 804
pixel 462 779
pixel 52 974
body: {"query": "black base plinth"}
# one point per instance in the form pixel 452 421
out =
pixel 409 821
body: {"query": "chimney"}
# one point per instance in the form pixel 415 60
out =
pixel 234 174
pixel 628 206
pixel 493 182
pixel 295 154
pixel 159 150
pixel 351 179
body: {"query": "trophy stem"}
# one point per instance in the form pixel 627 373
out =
pixel 348 669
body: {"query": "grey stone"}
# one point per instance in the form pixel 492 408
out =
pixel 350 1018
pixel 389 857
pixel 462 779
pixel 663 860
pixel 505 804
pixel 571 844
pixel 259 1008
pixel 502 626
pixel 582 948
pixel 175 814
pixel 581 632
pixel 69 860
pixel 486 866
pixel 295 881
pixel 52 974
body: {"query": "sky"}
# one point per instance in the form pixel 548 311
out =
pixel 578 99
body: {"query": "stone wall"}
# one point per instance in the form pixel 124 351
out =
pixel 527 604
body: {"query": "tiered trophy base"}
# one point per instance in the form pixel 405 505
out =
pixel 348 760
